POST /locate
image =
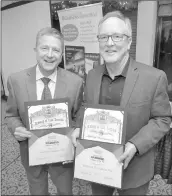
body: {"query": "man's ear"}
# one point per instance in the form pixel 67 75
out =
pixel 129 43
pixel 62 55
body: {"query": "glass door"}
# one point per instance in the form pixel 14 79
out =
pixel 163 58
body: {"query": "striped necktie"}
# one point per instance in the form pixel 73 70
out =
pixel 46 94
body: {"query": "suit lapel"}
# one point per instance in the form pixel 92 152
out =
pixel 31 83
pixel 97 83
pixel 61 87
pixel 130 82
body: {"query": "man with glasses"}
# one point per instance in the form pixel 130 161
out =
pixel 141 90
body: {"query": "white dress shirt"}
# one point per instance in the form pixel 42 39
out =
pixel 40 84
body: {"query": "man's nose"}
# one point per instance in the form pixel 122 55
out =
pixel 50 53
pixel 110 42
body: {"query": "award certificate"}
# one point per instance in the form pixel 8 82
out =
pixel 49 121
pixel 98 162
pixel 104 124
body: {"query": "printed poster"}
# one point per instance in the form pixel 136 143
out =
pixel 75 60
pixel 79 26
pixel 92 60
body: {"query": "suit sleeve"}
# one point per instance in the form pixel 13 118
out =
pixel 12 114
pixel 160 119
pixel 85 99
pixel 77 105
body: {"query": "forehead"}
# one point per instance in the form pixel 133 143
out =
pixel 49 40
pixel 112 25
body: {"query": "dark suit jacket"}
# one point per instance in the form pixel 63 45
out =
pixel 22 88
pixel 148 115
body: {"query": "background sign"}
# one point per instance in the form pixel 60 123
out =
pixel 79 25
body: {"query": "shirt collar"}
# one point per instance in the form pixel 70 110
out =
pixel 124 71
pixel 39 75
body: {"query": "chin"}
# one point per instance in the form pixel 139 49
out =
pixel 113 59
pixel 110 60
pixel 47 68
pixel 50 67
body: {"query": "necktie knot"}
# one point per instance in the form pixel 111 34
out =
pixel 45 80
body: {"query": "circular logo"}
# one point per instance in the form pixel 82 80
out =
pixel 70 32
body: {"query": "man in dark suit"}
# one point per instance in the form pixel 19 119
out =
pixel 141 90
pixel 28 85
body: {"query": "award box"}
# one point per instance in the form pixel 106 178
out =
pixel 98 162
pixel 49 122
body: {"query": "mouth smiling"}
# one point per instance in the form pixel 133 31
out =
pixel 48 61
pixel 110 52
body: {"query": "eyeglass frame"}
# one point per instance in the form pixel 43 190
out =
pixel 107 36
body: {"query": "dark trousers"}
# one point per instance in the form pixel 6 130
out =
pixel 98 189
pixel 61 176
pixel 37 176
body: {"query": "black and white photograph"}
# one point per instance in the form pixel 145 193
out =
pixel 86 97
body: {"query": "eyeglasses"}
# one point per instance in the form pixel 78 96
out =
pixel 115 37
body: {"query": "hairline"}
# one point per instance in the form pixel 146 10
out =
pixel 48 31
pixel 119 15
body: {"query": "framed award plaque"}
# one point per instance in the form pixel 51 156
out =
pixel 104 123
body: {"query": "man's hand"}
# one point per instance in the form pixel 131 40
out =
pixel 130 151
pixel 75 135
pixel 21 133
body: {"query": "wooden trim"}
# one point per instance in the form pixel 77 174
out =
pixel 50 3
pixel 157 34
pixel 15 4
pixel 157 42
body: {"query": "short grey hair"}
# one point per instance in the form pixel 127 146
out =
pixel 52 32
pixel 118 14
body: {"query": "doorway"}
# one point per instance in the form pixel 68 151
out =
pixel 163 58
